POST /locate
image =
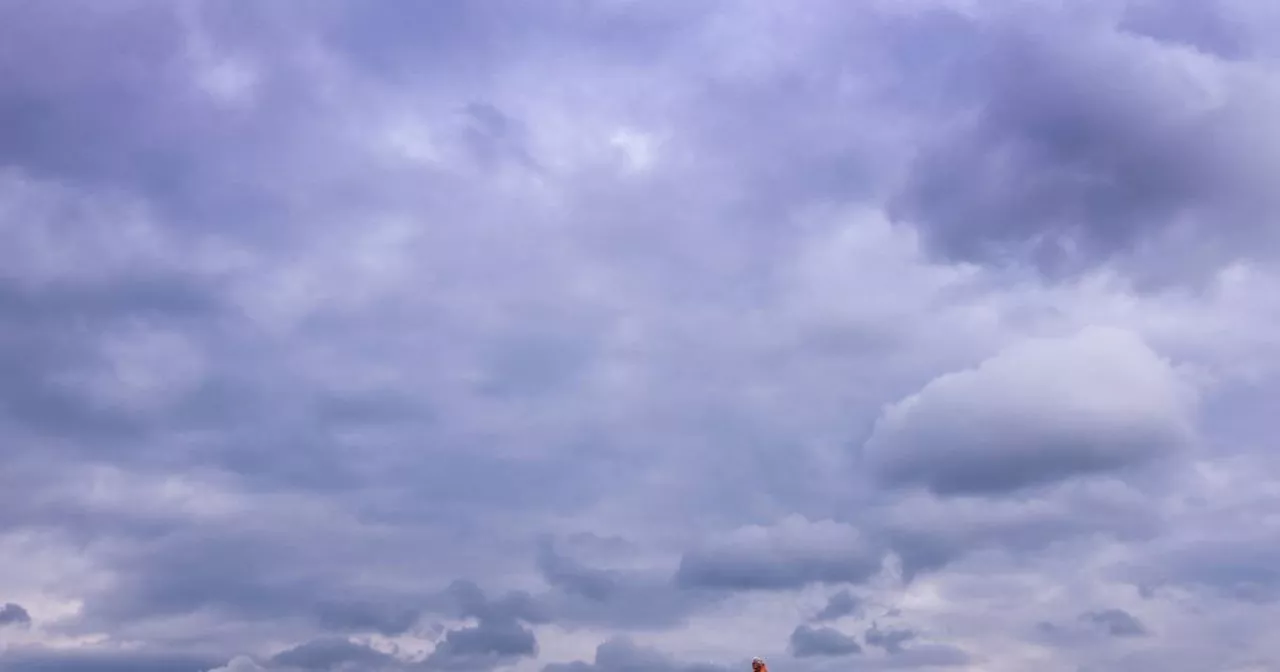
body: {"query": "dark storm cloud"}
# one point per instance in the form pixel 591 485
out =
pixel 808 642
pixel 1115 622
pixel 13 615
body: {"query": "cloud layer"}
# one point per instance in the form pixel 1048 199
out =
pixel 586 337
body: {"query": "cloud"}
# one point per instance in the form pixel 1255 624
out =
pixel 585 595
pixel 930 655
pixel 471 336
pixel 378 616
pixel 793 554
pixel 842 604
pixel 889 640
pixel 927 532
pixel 1037 413
pixel 576 579
pixel 483 646
pixel 1116 622
pixel 465 599
pixel 807 642
pixel 34 659
pixel 240 664
pixel 13 615
pixel 624 654
pixel 1089 140
pixel 330 654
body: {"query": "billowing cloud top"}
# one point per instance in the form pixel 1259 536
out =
pixel 596 337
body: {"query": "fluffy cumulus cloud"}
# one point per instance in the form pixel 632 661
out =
pixel 638 335
pixel 1038 412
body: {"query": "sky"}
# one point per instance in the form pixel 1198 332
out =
pixel 622 335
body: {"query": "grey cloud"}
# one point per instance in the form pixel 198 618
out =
pixel 890 640
pixel 466 599
pixel 1091 630
pixel 808 642
pixel 483 646
pixel 94 659
pixel 1235 564
pixel 13 615
pixel 227 569
pixel 259 580
pixel 620 654
pixel 843 603
pixel 369 615
pixel 928 532
pixel 240 664
pixel 332 654
pixel 793 554
pixel 1204 26
pixel 574 578
pixel 1088 142
pixel 454 277
pixel 147 294
pixel 920 656
pixel 494 137
pixel 1037 413
pixel 930 656
pixel 279 577
pixel 151 125
pixel 581 594
pixel 48 341
pixel 1116 622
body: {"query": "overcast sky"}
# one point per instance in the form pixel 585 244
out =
pixel 639 335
